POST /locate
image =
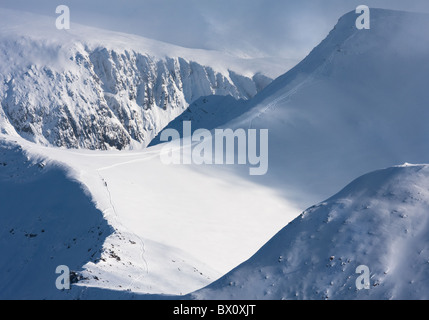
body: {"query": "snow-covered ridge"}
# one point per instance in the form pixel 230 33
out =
pixel 89 88
pixel 47 219
pixel 380 220
pixel 356 103
pixel 50 217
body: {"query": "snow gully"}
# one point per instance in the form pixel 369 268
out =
pixel 225 147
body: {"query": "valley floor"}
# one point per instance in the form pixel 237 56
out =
pixel 176 228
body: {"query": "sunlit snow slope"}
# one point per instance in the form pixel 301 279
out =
pixel 176 228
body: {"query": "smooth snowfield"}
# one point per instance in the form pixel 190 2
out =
pixel 180 227
pixel 49 219
pixel 380 220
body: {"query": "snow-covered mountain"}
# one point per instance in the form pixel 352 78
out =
pixel 358 102
pixel 380 221
pixel 94 89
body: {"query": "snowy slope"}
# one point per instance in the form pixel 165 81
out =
pixel 171 233
pixel 206 112
pixel 47 220
pixel 358 102
pixel 380 220
pixel 94 89
pixel 50 218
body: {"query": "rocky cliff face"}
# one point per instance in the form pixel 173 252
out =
pixel 76 93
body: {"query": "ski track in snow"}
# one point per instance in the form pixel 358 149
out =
pixel 119 224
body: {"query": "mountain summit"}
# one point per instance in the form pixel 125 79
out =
pixel 358 102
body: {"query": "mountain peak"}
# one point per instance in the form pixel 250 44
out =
pixel 392 32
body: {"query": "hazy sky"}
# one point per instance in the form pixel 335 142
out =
pixel 279 28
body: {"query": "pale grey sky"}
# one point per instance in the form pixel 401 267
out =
pixel 279 28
